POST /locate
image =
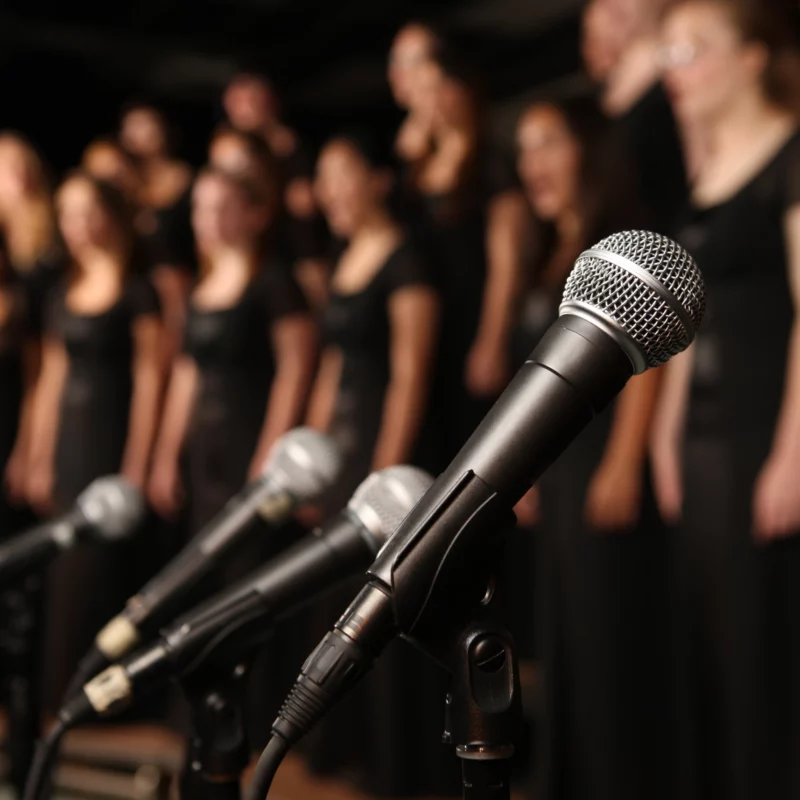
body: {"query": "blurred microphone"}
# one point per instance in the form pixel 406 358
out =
pixel 228 626
pixel 631 302
pixel 108 509
pixel 302 465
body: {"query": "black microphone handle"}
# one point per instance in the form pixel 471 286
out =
pixel 37 546
pixel 231 624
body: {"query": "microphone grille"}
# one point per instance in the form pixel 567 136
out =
pixel 112 507
pixel 305 463
pixel 645 287
pixel 385 498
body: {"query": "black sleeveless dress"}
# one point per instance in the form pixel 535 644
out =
pixel 87 585
pixel 738 697
pixel 450 229
pixel 387 733
pixel 233 350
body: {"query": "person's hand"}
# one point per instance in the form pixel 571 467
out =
pixel 668 484
pixel 256 469
pixel 309 516
pixel 528 509
pixel 15 478
pixel 165 490
pixel 614 497
pixel 776 499
pixel 487 369
pixel 40 489
pixel 135 476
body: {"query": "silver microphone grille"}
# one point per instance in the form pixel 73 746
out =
pixel 113 507
pixel 385 498
pixel 305 463
pixel 645 289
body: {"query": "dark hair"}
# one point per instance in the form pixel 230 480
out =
pixel 171 139
pixel 115 205
pixel 248 187
pixel 605 186
pixel 774 24
pixel 375 151
pixel 269 183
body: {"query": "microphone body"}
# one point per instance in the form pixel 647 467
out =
pixel 229 625
pixel 630 303
pixel 302 465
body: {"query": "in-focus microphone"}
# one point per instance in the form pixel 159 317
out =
pixel 230 625
pixel 110 508
pixel 631 302
pixel 302 465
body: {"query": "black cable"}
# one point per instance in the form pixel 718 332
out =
pixel 38 784
pixel 267 767
pixel 91 665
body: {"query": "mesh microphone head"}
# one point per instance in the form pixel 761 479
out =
pixel 385 498
pixel 305 463
pixel 112 507
pixel 644 289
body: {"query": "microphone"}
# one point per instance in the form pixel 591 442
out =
pixel 631 302
pixel 302 465
pixel 108 509
pixel 230 625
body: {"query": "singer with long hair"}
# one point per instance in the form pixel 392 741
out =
pixel 727 445
pixel 28 223
pixel 247 359
pixel 372 396
pixel 601 579
pixel 96 405
pixel 466 211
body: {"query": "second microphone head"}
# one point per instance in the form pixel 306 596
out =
pixel 305 463
pixel 644 289
pixel 112 507
pixel 385 498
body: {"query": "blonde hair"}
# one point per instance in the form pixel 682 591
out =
pixel 30 236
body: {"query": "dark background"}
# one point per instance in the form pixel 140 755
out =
pixel 67 68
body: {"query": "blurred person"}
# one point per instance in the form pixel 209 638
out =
pixel 249 156
pixel 601 558
pixel 621 48
pixel 371 395
pixel 252 106
pixel 105 159
pixel 727 443
pixel 28 224
pixel 413 47
pixel 248 353
pixel 467 212
pixel 96 407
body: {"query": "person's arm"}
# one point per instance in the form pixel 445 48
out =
pixel 147 371
pixel 294 340
pixel 414 139
pixel 45 423
pixel 326 386
pixel 19 462
pixel 614 497
pixel 776 502
pixel 172 283
pixel 413 322
pixel 487 365
pixel 667 431
pixel 164 485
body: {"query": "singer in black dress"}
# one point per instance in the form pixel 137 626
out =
pixel 247 357
pixel 601 581
pixel 96 408
pixel 467 214
pixel 371 395
pixel 733 407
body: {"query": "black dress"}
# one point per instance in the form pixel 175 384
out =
pixel 233 350
pixel 168 238
pixel 601 617
pixel 86 586
pixel 450 229
pixel 739 641
pixel 387 733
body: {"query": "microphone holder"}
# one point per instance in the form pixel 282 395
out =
pixel 218 751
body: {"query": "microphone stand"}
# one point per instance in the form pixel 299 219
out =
pixel 218 751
